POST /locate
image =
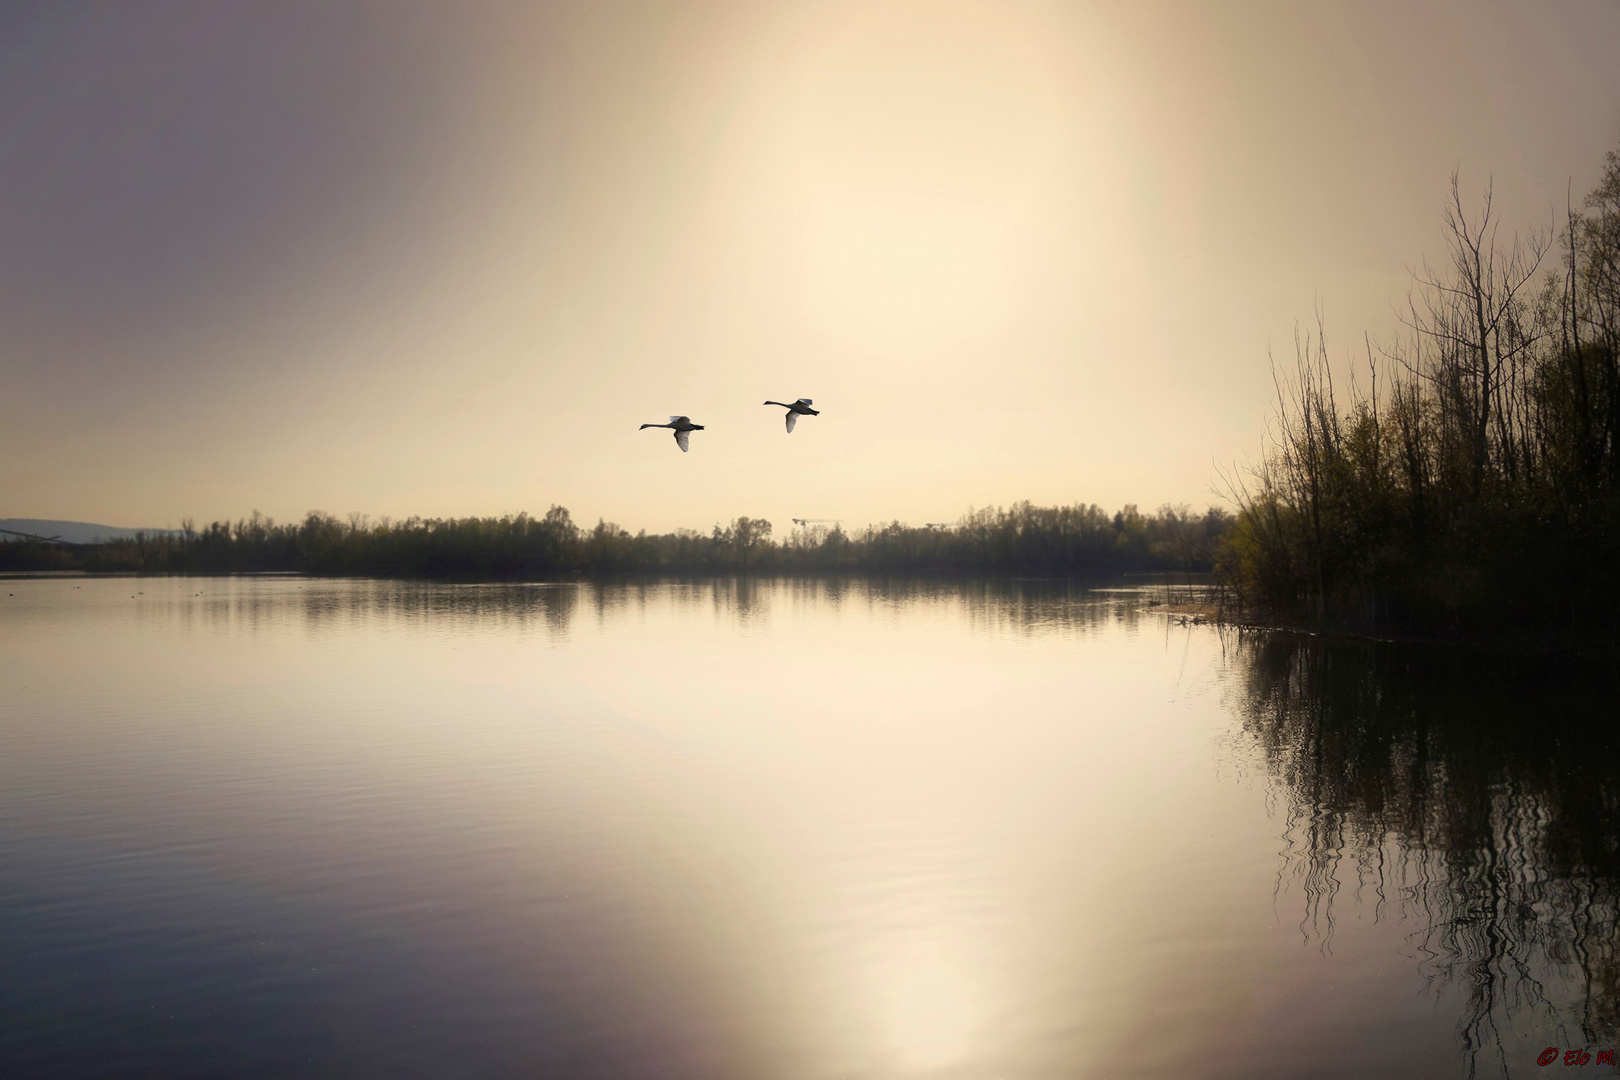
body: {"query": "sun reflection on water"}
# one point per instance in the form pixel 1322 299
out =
pixel 927 1010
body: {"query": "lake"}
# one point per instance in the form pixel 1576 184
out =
pixel 267 827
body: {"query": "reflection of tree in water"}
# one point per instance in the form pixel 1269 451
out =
pixel 1021 607
pixel 325 603
pixel 1476 792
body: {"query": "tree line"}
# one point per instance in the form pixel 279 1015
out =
pixel 1467 478
pixel 1080 539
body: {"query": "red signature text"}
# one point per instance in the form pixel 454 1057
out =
pixel 1574 1057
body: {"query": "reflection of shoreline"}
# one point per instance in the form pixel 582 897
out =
pixel 1526 644
pixel 1198 613
pixel 1020 607
pixel 1474 793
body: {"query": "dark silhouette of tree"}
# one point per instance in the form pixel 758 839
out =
pixel 1473 485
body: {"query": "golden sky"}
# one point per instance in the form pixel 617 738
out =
pixel 445 259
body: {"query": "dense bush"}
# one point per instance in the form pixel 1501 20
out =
pixel 1474 483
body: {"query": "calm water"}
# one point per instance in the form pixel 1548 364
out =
pixel 271 827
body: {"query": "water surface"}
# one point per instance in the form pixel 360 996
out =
pixel 276 826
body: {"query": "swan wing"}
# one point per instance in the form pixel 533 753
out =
pixel 793 418
pixel 683 439
pixel 680 419
pixel 805 401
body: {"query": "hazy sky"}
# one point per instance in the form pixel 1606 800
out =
pixel 444 259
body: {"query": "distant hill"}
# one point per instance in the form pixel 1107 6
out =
pixel 74 532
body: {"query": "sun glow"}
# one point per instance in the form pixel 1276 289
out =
pixel 919 142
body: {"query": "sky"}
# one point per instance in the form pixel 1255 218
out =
pixel 444 259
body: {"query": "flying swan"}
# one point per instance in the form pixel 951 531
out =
pixel 797 409
pixel 683 427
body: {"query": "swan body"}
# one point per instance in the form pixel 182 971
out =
pixel 797 409
pixel 683 428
